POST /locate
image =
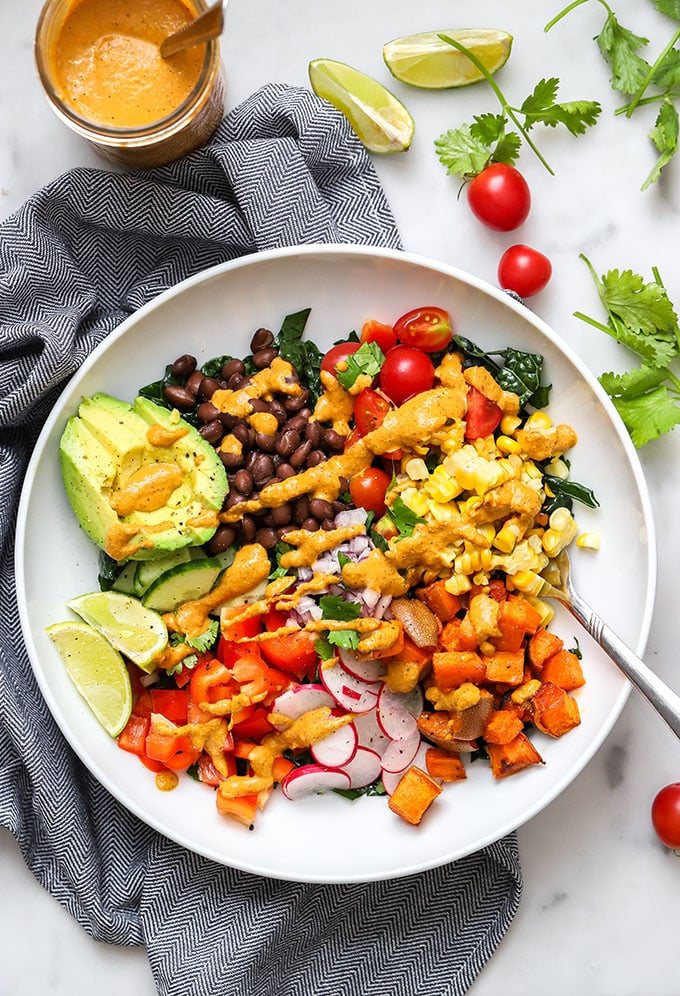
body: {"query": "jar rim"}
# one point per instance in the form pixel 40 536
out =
pixel 133 135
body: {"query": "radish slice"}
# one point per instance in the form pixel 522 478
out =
pixel 400 753
pixel 394 718
pixel 370 734
pixel 350 693
pixel 310 779
pixel 369 671
pixel 364 768
pixel 392 778
pixel 337 749
pixel 296 701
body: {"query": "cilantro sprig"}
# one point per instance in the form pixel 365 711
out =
pixel 467 150
pixel 341 610
pixel 368 360
pixel 644 82
pixel 640 316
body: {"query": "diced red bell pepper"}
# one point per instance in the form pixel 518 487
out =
pixel 242 808
pixel 211 681
pixel 294 652
pixel 253 727
pixel 171 703
pixel 133 736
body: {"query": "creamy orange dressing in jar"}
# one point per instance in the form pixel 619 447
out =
pixel 100 65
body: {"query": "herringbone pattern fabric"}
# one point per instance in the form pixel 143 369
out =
pixel 74 262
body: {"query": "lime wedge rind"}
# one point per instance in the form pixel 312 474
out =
pixel 427 62
pixel 97 670
pixel 381 121
pixel 132 628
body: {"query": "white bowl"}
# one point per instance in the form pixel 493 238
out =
pixel 326 838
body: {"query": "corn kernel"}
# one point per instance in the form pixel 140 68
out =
pixel 441 486
pixel 505 540
pixel 532 472
pixel 527 582
pixel 509 423
pixel 525 692
pixel 174 417
pixel 557 468
pixel 487 476
pixel 416 468
pixel 507 445
pixel 588 541
pixel 561 519
pixel 538 420
pixel 457 584
pixel 417 502
pixel 439 512
pixel 470 505
pixel 545 609
pixel 488 531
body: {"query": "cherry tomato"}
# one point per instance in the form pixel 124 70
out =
pixel 406 371
pixel 483 416
pixel 428 329
pixel 370 409
pixel 368 489
pixel 666 815
pixel 499 197
pixel 524 270
pixel 384 335
pixel 336 354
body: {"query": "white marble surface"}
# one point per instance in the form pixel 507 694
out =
pixel 599 911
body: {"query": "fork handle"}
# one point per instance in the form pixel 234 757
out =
pixel 657 693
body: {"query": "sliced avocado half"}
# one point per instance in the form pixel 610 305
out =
pixel 141 480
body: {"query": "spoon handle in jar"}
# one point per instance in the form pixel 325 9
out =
pixel 657 693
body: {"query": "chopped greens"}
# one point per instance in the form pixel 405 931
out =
pixel 565 492
pixel 519 371
pixel 403 517
pixel 204 641
pixel 305 355
pixel 338 608
pixel 367 360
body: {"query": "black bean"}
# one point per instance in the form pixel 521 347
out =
pixel 327 525
pixel 232 367
pixel 284 470
pixel 310 524
pixel 263 358
pixel 262 339
pixel 194 382
pixel 243 482
pixel 222 540
pixel 306 413
pixel 212 432
pixel 208 387
pixel 248 528
pixel 314 432
pixel 297 423
pixel 258 405
pixel 231 460
pixel 266 537
pixel 278 411
pixel 261 468
pixel 338 506
pixel 265 441
pixel 241 432
pixel 184 365
pixel 300 510
pixel 315 458
pixel 288 442
pixel 333 440
pixel 235 381
pixel 179 397
pixel 297 402
pixel 282 515
pixel 207 412
pixel 299 458
pixel 320 509
pixel 282 530
pixel 233 498
pixel 227 420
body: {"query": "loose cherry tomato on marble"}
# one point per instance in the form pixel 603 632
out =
pixel 428 329
pixel 666 815
pixel 499 197
pixel 368 489
pixel 336 354
pixel 405 372
pixel 524 270
pixel 384 335
pixel 483 416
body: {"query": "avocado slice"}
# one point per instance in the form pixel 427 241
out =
pixel 141 480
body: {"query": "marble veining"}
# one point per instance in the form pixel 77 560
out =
pixel 599 910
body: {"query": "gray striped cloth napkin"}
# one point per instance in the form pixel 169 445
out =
pixel 80 256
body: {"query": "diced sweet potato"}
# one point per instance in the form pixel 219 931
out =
pixel 555 712
pixel 408 667
pixel 502 727
pixel 508 759
pixel 414 795
pixel 505 667
pixel 516 619
pixel 564 670
pixel 451 668
pixel 441 764
pixel 444 605
pixel 459 634
pixel 445 728
pixel 541 646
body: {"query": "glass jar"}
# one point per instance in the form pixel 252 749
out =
pixel 177 130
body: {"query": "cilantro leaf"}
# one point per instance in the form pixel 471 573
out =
pixel 648 416
pixel 667 75
pixel 671 8
pixel 404 518
pixel 664 135
pixel 461 153
pixel 619 48
pixel 368 360
pixel 348 639
pixel 204 641
pixel 343 559
pixel 324 649
pixel 279 550
pixel 336 607
pixel 541 106
pixel 632 383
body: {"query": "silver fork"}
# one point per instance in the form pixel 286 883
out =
pixel 557 584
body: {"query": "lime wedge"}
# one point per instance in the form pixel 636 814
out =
pixel 380 120
pixel 426 61
pixel 97 670
pixel 129 626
